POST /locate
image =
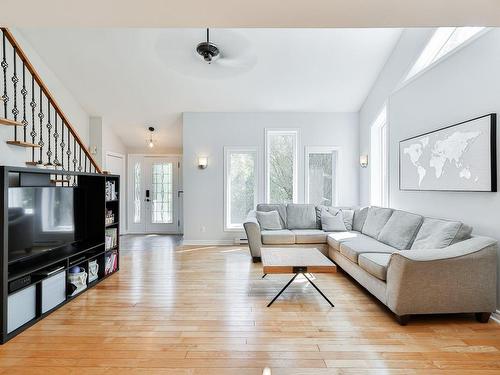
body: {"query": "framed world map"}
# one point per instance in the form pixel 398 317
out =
pixel 460 157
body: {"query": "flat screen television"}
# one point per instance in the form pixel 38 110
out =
pixel 41 219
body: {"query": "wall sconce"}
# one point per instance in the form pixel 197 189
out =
pixel 202 162
pixel 363 161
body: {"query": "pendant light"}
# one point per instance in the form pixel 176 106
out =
pixel 151 143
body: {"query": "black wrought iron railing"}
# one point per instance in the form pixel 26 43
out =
pixel 38 122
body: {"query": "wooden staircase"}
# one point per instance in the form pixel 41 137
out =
pixel 38 122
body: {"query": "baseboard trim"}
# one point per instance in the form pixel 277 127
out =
pixel 496 316
pixel 208 242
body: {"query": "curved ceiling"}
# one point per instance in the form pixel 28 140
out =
pixel 121 75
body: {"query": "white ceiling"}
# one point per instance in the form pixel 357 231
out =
pixel 129 77
pixel 255 13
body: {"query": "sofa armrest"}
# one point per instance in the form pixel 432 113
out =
pixel 459 278
pixel 252 229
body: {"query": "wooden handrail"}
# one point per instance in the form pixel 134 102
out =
pixel 49 96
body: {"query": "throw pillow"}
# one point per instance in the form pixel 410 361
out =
pixel 346 213
pixel 269 220
pixel 332 223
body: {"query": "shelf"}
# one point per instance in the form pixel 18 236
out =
pixel 36 261
pixel 18 269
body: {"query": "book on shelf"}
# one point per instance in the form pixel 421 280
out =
pixel 111 193
pixel 111 238
pixel 111 263
pixel 110 217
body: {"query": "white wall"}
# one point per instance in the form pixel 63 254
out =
pixel 462 86
pixel 405 53
pixel 11 155
pixel 206 134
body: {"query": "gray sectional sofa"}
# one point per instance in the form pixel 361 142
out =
pixel 412 264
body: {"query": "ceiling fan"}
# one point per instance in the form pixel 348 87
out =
pixel 208 50
pixel 227 52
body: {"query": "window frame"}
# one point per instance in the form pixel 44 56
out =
pixel 228 150
pixel 407 78
pixel 379 161
pixel 267 184
pixel 322 150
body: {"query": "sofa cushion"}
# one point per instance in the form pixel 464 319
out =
pixel 269 220
pixel 440 233
pixel 464 233
pixel 359 218
pixel 375 264
pixel 348 218
pixel 363 244
pixel 319 209
pixel 309 236
pixel 332 222
pixel 400 230
pixel 281 208
pixel 277 237
pixel 301 216
pixel 376 218
pixel 336 238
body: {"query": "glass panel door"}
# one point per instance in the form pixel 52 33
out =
pixel 154 190
pixel 161 196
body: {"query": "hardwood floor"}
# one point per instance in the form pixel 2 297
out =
pixel 202 310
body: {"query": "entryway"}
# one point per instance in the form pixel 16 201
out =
pixel 155 194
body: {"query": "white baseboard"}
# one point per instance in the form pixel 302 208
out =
pixel 208 242
pixel 496 316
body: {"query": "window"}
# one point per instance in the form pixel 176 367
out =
pixel 443 41
pixel 240 176
pixel 162 198
pixel 281 166
pixel 321 175
pixel 379 186
pixel 137 192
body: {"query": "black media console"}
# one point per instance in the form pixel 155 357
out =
pixel 59 237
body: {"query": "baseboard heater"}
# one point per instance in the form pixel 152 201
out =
pixel 241 241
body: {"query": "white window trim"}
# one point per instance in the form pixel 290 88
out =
pixel 227 151
pixel 323 149
pixel 295 161
pixel 378 123
pixel 406 81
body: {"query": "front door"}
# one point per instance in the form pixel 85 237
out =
pixel 154 189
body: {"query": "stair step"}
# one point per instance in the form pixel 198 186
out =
pixel 6 121
pixel 22 144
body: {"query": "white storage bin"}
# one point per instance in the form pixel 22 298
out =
pixel 21 308
pixel 93 268
pixel 53 291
